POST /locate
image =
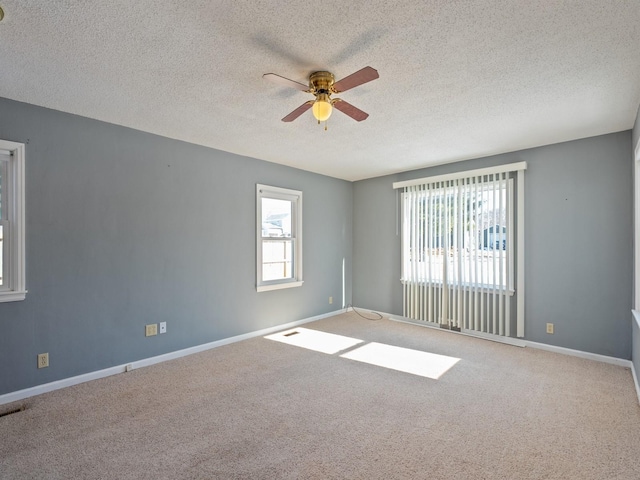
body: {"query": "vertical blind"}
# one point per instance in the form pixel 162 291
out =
pixel 458 243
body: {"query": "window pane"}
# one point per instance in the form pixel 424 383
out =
pixel 276 217
pixel 277 260
pixel 457 234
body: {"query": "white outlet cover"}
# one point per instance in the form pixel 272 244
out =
pixel 163 327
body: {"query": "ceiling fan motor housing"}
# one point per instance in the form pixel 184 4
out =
pixel 321 82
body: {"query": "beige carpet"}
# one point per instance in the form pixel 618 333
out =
pixel 261 409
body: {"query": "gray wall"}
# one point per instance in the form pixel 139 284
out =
pixel 126 228
pixel 578 241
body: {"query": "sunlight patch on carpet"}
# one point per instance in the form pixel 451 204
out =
pixel 406 360
pixel 315 340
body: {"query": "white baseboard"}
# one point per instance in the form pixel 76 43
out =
pixel 67 382
pixel 525 343
pixel 621 362
pixel 635 380
pixel 636 319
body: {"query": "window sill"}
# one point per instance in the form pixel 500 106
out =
pixel 278 286
pixel 11 296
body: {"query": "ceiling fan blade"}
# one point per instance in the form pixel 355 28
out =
pixel 298 111
pixel 348 109
pixel 280 80
pixel 355 79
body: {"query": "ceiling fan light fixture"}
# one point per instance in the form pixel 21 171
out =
pixel 322 85
pixel 322 107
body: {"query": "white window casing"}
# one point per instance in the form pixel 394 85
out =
pixel 12 221
pixel 278 238
pixel 636 276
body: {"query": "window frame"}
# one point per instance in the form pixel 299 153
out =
pixel 518 168
pixel 295 197
pixel 13 254
pixel 636 166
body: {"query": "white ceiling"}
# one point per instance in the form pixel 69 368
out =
pixel 458 79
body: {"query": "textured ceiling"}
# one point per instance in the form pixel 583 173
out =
pixel 458 79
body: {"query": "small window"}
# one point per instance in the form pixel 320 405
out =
pixel 279 238
pixel 12 244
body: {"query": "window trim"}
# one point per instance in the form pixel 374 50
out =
pixel 15 289
pixel 480 172
pixel 636 277
pixel 295 196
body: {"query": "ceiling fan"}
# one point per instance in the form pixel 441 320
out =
pixel 322 85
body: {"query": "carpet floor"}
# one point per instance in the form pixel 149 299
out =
pixel 263 409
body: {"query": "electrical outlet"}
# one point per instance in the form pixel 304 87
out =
pixel 163 327
pixel 151 330
pixel 330 300
pixel 550 328
pixel 43 360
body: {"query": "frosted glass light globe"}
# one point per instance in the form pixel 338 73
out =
pixel 322 110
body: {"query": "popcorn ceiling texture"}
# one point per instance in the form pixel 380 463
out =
pixel 458 80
